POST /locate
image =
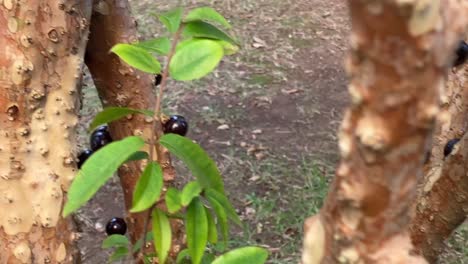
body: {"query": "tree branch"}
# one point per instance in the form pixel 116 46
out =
pixel 399 58
pixel 120 85
pixel 444 193
pixel 42 46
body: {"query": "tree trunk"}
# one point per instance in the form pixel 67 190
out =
pixel 120 85
pixel 442 203
pixel 41 59
pixel 400 52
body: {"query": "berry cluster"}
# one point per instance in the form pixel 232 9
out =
pixel 99 138
pixel 176 124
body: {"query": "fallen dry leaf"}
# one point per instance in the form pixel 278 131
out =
pixel 223 127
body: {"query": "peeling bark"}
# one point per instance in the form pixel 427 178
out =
pixel 43 44
pixel 120 85
pixel 442 205
pixel 400 53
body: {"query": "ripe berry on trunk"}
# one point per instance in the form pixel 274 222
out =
pixel 100 138
pixel 83 156
pixel 449 146
pixel 116 226
pixel 157 79
pixel 102 128
pixel 461 55
pixel 176 125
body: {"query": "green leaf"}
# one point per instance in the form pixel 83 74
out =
pixel 201 29
pixel 110 114
pixel 183 43
pixel 139 155
pixel 190 191
pixel 173 202
pixel 119 253
pixel 251 255
pixel 196 159
pixel 148 188
pixel 98 169
pixel 162 234
pixel 223 200
pixel 183 256
pixel 206 14
pixel 160 45
pixel 171 19
pixel 212 230
pixel 139 243
pixel 195 59
pixel 137 57
pixel 229 48
pixel 115 241
pixel 197 230
pixel 221 216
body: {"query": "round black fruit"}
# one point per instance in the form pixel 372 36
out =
pixel 449 146
pixel 157 79
pixel 461 54
pixel 102 128
pixel 83 156
pixel 116 226
pixel 100 138
pixel 176 125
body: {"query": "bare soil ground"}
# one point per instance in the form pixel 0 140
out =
pixel 268 116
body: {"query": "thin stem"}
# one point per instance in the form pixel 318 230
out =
pixel 157 124
pixel 148 217
pixel 165 73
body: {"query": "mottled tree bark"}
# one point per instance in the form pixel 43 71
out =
pixel 41 58
pixel 400 53
pixel 120 85
pixel 443 198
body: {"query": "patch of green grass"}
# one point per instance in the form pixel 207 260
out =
pixel 215 113
pixel 278 215
pixel 293 22
pixel 260 79
pixel 264 206
pixel 302 43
